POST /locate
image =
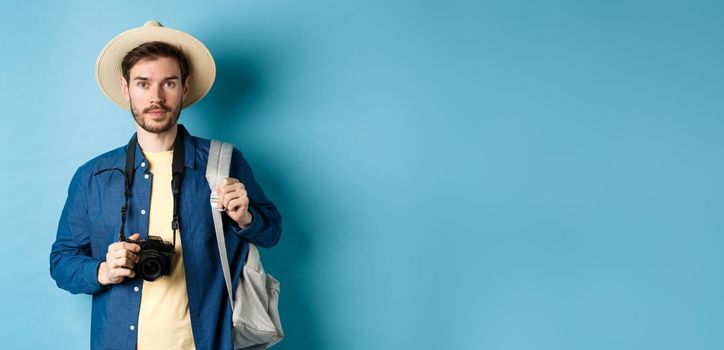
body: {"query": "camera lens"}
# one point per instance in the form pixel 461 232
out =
pixel 150 267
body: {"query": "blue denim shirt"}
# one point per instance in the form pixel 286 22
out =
pixel 90 222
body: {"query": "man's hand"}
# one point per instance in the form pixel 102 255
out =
pixel 233 198
pixel 120 260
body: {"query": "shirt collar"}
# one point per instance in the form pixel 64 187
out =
pixel 189 153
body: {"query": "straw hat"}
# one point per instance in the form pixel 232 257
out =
pixel 108 65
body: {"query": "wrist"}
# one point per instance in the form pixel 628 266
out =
pixel 245 220
pixel 101 274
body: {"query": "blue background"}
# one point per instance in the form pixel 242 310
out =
pixel 452 175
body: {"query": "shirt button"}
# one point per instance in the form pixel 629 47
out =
pixel 135 289
pixel 143 211
pixel 145 176
pixel 132 328
pixel 143 164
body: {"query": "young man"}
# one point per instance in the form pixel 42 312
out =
pixel 129 193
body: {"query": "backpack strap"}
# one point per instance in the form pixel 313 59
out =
pixel 217 169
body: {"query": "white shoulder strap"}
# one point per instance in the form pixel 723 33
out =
pixel 217 169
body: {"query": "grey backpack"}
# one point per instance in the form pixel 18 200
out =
pixel 255 305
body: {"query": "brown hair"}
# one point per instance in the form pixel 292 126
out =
pixel 151 51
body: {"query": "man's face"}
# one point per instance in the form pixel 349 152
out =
pixel 155 93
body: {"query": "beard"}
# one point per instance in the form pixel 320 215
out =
pixel 150 125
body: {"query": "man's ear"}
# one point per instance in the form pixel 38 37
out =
pixel 124 87
pixel 186 88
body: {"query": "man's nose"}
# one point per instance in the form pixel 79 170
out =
pixel 158 96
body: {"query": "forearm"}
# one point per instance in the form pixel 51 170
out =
pixel 75 272
pixel 72 265
pixel 265 226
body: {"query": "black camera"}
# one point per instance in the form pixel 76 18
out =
pixel 156 257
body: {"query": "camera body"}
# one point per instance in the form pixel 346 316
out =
pixel 156 256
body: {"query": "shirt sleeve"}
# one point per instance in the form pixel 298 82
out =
pixel 71 264
pixel 265 227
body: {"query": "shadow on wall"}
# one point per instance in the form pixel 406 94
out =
pixel 240 85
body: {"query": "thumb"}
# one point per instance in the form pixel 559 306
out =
pixel 135 236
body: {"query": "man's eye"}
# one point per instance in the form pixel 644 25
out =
pixel 141 84
pixel 170 84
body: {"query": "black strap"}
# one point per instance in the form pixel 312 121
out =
pixel 177 167
pixel 130 160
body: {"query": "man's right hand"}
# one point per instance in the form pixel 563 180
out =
pixel 120 261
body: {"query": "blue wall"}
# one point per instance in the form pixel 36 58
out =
pixel 453 175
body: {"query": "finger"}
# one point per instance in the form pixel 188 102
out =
pixel 111 263
pixel 124 245
pixel 126 262
pixel 115 246
pixel 133 257
pixel 233 187
pixel 226 188
pixel 229 181
pixel 131 246
pixel 123 259
pixel 223 190
pixel 224 182
pixel 238 204
pixel 116 262
pixel 231 196
pixel 123 272
pixel 111 256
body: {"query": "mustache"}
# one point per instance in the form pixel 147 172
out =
pixel 155 108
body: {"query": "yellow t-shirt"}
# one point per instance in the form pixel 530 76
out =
pixel 163 320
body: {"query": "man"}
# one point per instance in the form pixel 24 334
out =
pixel 155 72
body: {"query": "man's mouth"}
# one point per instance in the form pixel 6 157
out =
pixel 156 112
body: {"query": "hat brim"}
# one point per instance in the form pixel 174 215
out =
pixel 108 64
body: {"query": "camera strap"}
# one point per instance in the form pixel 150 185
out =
pixel 177 166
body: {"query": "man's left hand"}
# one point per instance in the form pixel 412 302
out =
pixel 233 197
